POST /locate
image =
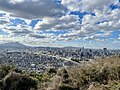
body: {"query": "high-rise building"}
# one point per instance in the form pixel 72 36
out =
pixel 105 49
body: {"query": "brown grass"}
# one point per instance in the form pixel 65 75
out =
pixel 100 74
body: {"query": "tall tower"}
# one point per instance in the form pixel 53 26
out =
pixel 104 49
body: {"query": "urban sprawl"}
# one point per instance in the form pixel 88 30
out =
pixel 43 58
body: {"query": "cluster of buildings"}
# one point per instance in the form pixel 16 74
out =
pixel 80 53
pixel 40 59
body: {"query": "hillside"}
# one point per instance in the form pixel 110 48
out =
pixel 13 45
pixel 101 74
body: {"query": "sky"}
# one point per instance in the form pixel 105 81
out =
pixel 61 23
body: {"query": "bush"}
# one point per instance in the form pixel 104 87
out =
pixel 101 72
pixel 17 81
pixel 4 70
pixel 67 81
pixel 52 71
pixel 65 87
pixel 65 74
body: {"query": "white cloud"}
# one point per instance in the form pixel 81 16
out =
pixel 73 5
pixel 4 20
pixel 99 36
pixel 87 5
pixel 52 17
pixel 64 23
pixel 31 9
pixel 91 5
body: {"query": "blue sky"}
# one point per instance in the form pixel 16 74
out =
pixel 61 23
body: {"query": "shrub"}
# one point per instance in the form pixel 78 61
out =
pixel 52 70
pixel 67 81
pixel 4 70
pixel 17 81
pixel 65 74
pixel 65 87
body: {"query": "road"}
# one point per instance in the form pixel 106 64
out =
pixel 58 57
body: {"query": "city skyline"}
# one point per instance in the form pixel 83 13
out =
pixel 61 23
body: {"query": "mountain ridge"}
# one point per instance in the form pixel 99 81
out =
pixel 13 44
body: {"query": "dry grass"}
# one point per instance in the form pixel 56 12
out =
pixel 101 74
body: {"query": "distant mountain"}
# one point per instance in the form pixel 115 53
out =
pixel 71 47
pixel 13 45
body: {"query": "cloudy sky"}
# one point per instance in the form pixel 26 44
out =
pixel 81 23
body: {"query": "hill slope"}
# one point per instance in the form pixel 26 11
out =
pixel 12 44
pixel 102 74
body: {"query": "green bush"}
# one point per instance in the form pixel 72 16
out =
pixel 65 87
pixel 19 82
pixel 4 70
pixel 52 71
pixel 67 81
pixel 65 74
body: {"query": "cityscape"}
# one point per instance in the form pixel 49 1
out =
pixel 40 59
pixel 59 44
